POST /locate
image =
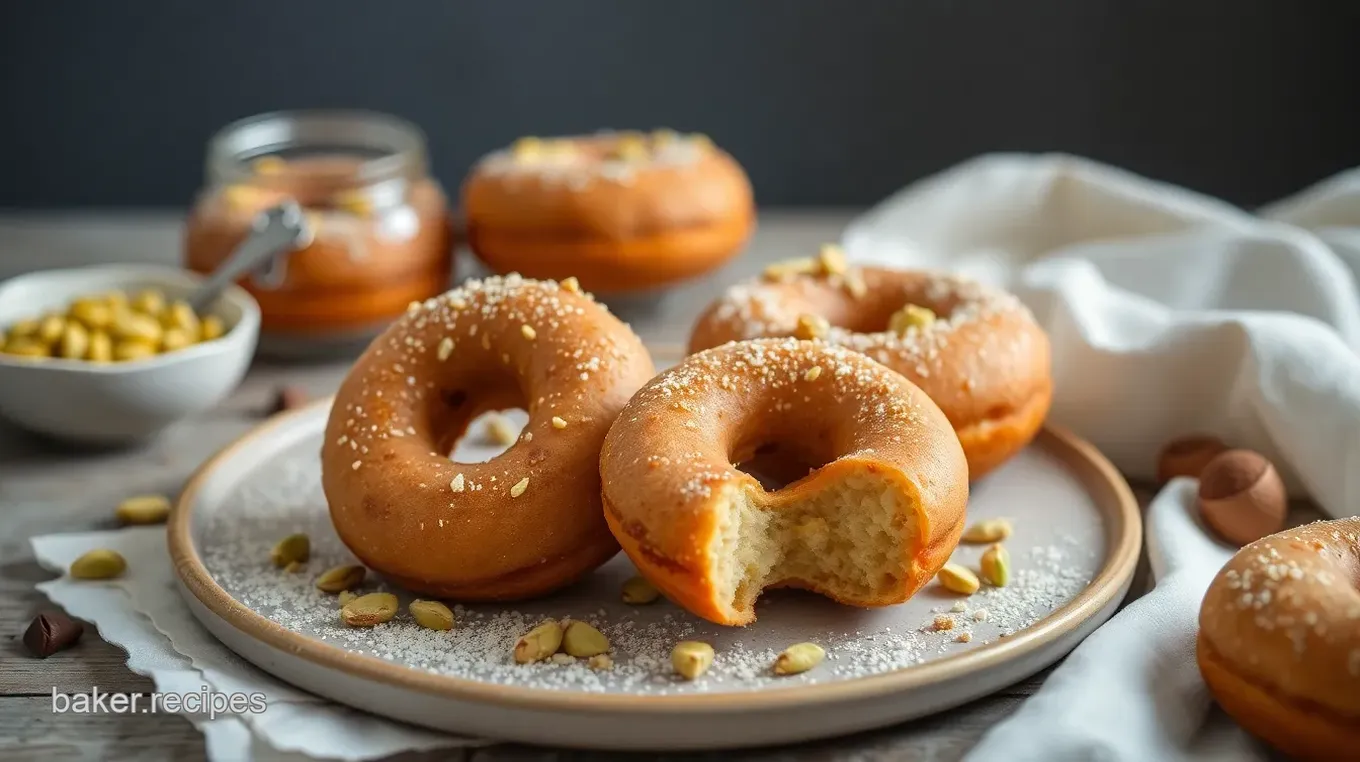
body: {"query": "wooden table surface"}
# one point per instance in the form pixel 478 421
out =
pixel 48 487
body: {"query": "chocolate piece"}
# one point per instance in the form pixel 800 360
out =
pixel 50 632
pixel 290 398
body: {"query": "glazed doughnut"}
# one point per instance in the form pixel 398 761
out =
pixel 877 511
pixel 524 523
pixel 1279 639
pixel 621 211
pixel 976 351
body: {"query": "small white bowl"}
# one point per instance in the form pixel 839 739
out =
pixel 124 402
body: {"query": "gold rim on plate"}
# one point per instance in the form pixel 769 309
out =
pixel 1119 507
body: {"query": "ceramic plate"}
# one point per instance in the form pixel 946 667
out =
pixel 1077 534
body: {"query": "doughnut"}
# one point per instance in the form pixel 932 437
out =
pixel 975 350
pixel 1279 639
pixel 524 523
pixel 621 211
pixel 879 485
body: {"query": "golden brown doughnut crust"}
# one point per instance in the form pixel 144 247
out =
pixel 985 361
pixel 570 207
pixel 1279 639
pixel 668 459
pixel 456 530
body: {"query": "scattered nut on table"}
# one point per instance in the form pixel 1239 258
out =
pixel 100 563
pixel 143 509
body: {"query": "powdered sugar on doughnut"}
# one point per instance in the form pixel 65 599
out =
pixel 579 161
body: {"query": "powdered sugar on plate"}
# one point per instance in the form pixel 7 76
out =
pixel 1057 549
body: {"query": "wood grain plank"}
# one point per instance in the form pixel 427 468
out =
pixel 30 731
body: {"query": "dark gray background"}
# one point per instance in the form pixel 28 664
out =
pixel 109 102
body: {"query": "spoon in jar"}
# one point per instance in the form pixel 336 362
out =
pixel 275 232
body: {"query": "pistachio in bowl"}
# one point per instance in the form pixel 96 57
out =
pixel 113 354
pixel 114 326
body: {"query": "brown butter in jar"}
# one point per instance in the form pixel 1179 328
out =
pixel 380 224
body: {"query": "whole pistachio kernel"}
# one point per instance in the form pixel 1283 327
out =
pixel 101 347
pixel 175 338
pixel 831 259
pixel 51 329
pixel 26 346
pixel 369 610
pixel 294 547
pixel 811 327
pixel 432 615
pixel 211 328
pixel 629 147
pixel 75 341
pixel 699 140
pixel 988 531
pixel 911 318
pixel 99 564
pixel 149 302
pixel 143 509
pixel 854 283
pixel 539 643
pixel 23 329
pixel 637 591
pixel 180 315
pixel 133 349
pixel 527 148
pixel 132 325
pixel 691 658
pixel 341 578
pixel 789 268
pixel 996 565
pixel 583 641
pixel 799 658
pixel 958 579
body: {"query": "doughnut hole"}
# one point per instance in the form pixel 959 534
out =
pixel 777 465
pixel 873 312
pixel 459 417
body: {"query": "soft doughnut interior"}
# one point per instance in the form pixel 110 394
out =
pixel 834 535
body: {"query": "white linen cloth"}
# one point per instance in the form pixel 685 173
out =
pixel 143 613
pixel 1169 313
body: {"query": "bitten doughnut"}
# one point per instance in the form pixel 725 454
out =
pixel 622 211
pixel 1279 639
pixel 875 509
pixel 529 520
pixel 975 350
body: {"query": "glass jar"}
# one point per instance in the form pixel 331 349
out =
pixel 380 229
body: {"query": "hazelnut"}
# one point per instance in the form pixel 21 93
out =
pixel 1242 497
pixel 1187 456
